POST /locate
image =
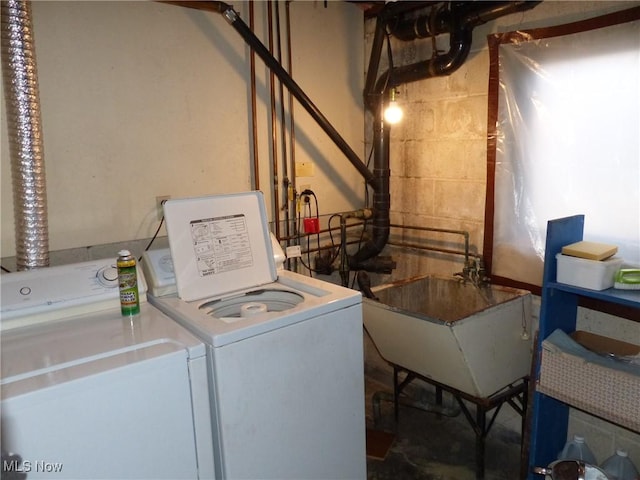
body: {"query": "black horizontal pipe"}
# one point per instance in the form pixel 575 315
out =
pixel 459 21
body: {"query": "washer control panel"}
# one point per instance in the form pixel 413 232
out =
pixel 56 292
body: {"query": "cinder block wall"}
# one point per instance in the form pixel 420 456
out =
pixel 438 151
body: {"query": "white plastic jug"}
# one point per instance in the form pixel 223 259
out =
pixel 620 467
pixel 577 449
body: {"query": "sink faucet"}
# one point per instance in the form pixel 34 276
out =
pixel 482 278
pixel 474 272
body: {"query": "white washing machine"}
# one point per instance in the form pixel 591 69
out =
pixel 285 350
pixel 88 393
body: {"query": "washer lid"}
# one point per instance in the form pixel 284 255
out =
pixel 219 244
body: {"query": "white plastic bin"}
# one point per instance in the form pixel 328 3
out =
pixel 591 274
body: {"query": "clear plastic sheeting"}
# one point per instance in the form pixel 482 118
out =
pixel 567 142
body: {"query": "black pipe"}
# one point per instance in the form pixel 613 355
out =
pixel 381 196
pixel 443 20
pixel 364 284
pixel 234 20
pixel 254 42
pixel 344 264
pixel 254 109
pixel 459 21
pixel 437 66
pixel 374 59
pixel 410 28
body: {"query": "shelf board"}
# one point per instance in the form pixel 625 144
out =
pixel 629 298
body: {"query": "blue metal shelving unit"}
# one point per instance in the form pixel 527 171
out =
pixel 558 310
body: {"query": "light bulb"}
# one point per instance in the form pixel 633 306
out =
pixel 393 113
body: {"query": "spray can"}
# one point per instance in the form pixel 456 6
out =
pixel 128 283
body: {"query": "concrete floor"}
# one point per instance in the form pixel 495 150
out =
pixel 428 446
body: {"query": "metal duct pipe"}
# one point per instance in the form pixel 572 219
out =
pixel 22 99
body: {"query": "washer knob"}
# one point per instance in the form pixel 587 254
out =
pixel 108 276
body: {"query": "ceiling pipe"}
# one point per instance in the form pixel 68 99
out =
pixel 458 19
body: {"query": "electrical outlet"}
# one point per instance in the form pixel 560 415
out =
pixel 159 203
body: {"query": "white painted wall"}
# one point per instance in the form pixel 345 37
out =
pixel 141 99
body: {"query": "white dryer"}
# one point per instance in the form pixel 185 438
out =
pixel 88 393
pixel 285 350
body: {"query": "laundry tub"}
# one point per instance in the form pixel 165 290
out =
pixel 474 339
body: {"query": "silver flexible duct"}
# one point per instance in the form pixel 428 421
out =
pixel 22 99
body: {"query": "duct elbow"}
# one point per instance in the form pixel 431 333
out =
pixel 423 26
pixel 448 63
pixel 361 259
